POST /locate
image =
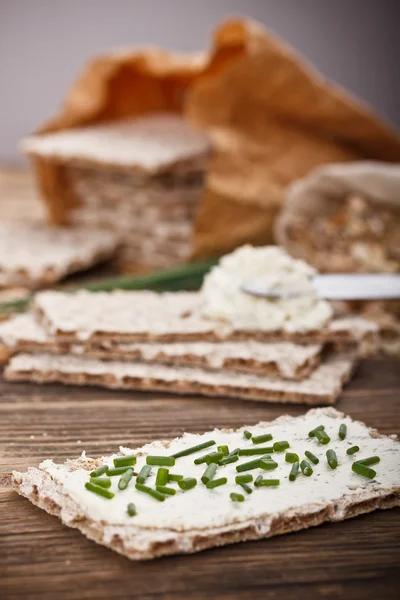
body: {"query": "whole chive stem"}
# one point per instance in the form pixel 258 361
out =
pixel 291 457
pixel 371 460
pixel 209 473
pixel 117 471
pixel 143 474
pixel 342 431
pixel 236 497
pixel 246 488
pixel 104 482
pixel 363 470
pixel 147 490
pixel 352 450
pixel 216 483
pixel 260 439
pixel 214 457
pixel 229 459
pixel 224 449
pixel 281 446
pixel 247 478
pixel 100 491
pixel 294 471
pixel 131 509
pixel 268 464
pixel 332 459
pixel 124 461
pixel 255 451
pixel 165 490
pixel 125 479
pixel 313 431
pixel 162 461
pixel 174 477
pixel 162 476
pixel 246 434
pixel 322 436
pixel 193 449
pixel 261 482
pixel 306 468
pixel 311 457
pixel 99 471
pixel 188 483
pixel 248 466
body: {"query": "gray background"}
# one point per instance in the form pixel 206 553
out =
pixel 44 43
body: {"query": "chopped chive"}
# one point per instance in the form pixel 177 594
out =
pixel 229 459
pixel 131 509
pixel 257 481
pixel 352 450
pixel 332 459
pixel 313 431
pixel 342 431
pixel 143 474
pixel 116 471
pixel 165 490
pixel 247 478
pixel 322 436
pixel 188 483
pixel 104 482
pixel 254 451
pixel 248 466
pixel 193 449
pixel 371 460
pixel 216 483
pixel 214 457
pixel 234 452
pixel 124 461
pixel 306 468
pixel 246 434
pixel 200 460
pixel 125 479
pixel 162 476
pixel 268 464
pixel 291 457
pixel 363 470
pixel 246 488
pixel 260 439
pixel 294 471
pixel 261 482
pixel 99 471
pixel 209 473
pixel 311 457
pixel 148 490
pixel 100 491
pixel 236 497
pixel 224 449
pixel 174 477
pixel 281 446
pixel 162 461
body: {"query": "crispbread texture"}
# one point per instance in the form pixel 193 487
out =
pixel 33 254
pixel 139 543
pixel 321 387
pixel 169 317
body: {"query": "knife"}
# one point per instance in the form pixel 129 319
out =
pixel 332 287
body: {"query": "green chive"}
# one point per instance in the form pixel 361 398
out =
pixel 332 459
pixel 248 466
pixel 246 488
pixel 281 446
pixel 313 431
pixel 247 434
pixel 223 449
pixel 260 439
pixel 147 490
pixel 311 457
pixel 352 450
pixel 188 483
pixel 193 449
pixel 236 497
pixel 291 457
pixel 261 482
pixel 371 460
pixel 363 470
pixel 322 436
pixel 229 459
pixel 234 452
pixel 104 482
pixel 165 490
pixel 162 476
pixel 100 491
pixel 125 461
pixel 143 474
pixel 173 477
pixel 131 509
pixel 294 471
pixel 214 457
pixel 306 468
pixel 99 471
pixel 216 483
pixel 116 471
pixel 254 451
pixel 209 473
pixel 342 431
pixel 247 478
pixel 268 464
pixel 200 460
pixel 162 461
pixel 125 479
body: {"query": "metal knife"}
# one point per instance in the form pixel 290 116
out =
pixel 344 286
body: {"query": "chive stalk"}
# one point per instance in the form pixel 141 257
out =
pixel 229 459
pixel 214 457
pixel 260 439
pixel 268 464
pixel 163 489
pixel 188 483
pixel 125 479
pixel 117 471
pixel 246 478
pixel 193 449
pixel 100 491
pixel 261 482
pixel 255 451
pixel 148 490
pixel 162 476
pixel 322 436
pixel 216 483
pixel 281 446
pixel 224 449
pixel 311 457
pixel 174 477
pixel 363 470
pixel 246 488
pixel 124 461
pixel 131 509
pixel 306 468
pixel 143 474
pixel 162 461
pixel 291 457
pixel 248 466
pixel 332 459
pixel 352 450
pixel 371 460
pixel 104 482
pixel 313 431
pixel 246 434
pixel 342 431
pixel 209 473
pixel 99 471
pixel 294 471
pixel 236 497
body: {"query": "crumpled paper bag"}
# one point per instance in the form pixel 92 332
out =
pixel 270 116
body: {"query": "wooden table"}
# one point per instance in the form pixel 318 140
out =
pixel 42 559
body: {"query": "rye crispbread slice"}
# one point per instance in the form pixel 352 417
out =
pixel 23 333
pixel 322 386
pixel 33 254
pixel 142 543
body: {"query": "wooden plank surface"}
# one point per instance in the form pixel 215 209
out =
pixel 42 559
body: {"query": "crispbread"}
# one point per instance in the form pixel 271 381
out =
pixel 321 387
pixel 139 542
pixel 33 254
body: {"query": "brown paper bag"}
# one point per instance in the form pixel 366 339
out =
pixel 271 119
